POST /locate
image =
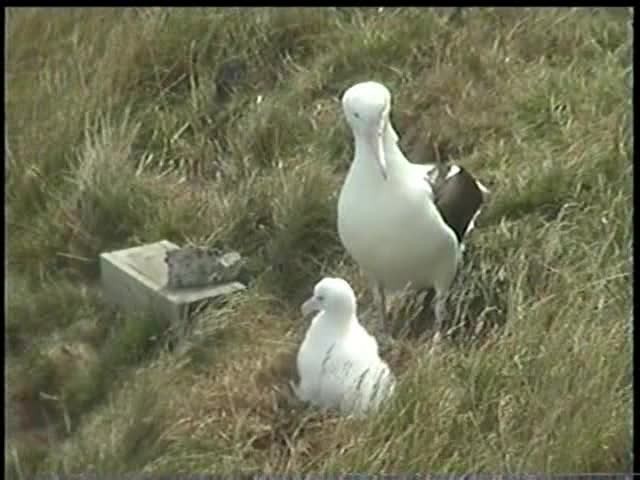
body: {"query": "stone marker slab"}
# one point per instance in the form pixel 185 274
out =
pixel 135 279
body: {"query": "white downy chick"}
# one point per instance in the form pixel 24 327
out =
pixel 338 361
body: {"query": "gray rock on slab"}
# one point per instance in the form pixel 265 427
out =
pixel 137 279
pixel 192 266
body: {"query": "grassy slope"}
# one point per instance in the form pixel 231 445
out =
pixel 116 136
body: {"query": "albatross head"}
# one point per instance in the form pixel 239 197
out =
pixel 332 295
pixel 366 106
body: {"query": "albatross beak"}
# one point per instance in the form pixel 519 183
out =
pixel 378 146
pixel 310 306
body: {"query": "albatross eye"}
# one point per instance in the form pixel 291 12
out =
pixel 320 298
pixel 356 114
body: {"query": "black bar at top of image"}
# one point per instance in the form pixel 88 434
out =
pixel 133 476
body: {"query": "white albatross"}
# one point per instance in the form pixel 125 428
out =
pixel 338 361
pixel 403 223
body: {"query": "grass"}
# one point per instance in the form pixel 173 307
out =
pixel 117 136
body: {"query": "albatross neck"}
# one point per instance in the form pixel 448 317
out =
pixel 341 316
pixel 395 161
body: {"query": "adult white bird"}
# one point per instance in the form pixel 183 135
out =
pixel 403 223
pixel 338 361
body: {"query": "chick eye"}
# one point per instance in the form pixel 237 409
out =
pixel 356 114
pixel 320 298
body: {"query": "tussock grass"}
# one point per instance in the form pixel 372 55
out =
pixel 222 127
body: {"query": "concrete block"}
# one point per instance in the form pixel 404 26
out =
pixel 135 279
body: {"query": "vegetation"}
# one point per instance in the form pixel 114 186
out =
pixel 222 127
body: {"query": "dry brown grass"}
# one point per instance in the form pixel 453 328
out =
pixel 117 136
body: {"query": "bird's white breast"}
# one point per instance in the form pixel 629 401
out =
pixel 392 229
pixel 342 370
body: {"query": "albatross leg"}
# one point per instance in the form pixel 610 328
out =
pixel 383 309
pixel 381 299
pixel 442 287
pixel 440 308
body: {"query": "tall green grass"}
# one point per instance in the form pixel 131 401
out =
pixel 117 135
